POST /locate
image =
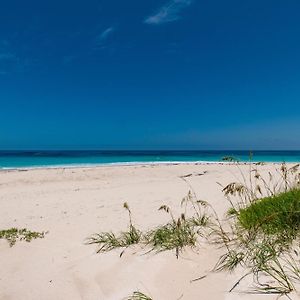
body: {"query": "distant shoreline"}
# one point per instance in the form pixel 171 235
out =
pixel 133 164
pixel 78 159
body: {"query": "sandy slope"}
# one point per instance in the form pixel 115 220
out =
pixel 73 203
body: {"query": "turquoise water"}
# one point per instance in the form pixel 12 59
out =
pixel 29 159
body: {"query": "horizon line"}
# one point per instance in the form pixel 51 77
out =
pixel 143 150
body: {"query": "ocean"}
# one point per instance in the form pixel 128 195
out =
pixel 35 159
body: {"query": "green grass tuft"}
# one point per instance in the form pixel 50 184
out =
pixel 13 235
pixel 276 214
pixel 138 296
pixel 174 235
pixel 108 241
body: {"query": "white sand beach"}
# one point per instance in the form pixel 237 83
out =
pixel 72 204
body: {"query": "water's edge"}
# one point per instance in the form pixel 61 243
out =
pixel 140 164
pixel 10 160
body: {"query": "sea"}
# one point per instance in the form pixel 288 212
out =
pixel 72 158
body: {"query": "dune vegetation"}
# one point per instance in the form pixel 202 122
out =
pixel 259 233
pixel 274 215
pixel 264 228
pixel 13 235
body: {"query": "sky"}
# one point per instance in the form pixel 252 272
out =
pixel 156 74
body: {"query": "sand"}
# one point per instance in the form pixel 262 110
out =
pixel 71 204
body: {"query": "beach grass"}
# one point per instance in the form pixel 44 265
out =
pixel 276 214
pixel 261 234
pixel 108 241
pixel 264 222
pixel 177 234
pixel 174 235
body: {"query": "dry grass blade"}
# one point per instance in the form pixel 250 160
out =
pixel 165 208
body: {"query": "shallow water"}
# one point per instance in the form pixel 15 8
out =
pixel 19 159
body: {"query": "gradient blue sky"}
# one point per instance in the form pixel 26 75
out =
pixel 159 74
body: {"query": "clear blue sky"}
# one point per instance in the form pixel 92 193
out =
pixel 115 74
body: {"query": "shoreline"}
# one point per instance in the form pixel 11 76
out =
pixel 132 164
